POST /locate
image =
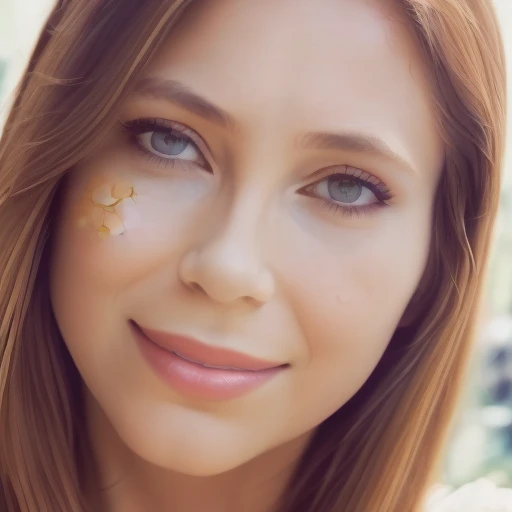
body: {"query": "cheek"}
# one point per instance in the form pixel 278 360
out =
pixel 349 303
pixel 116 228
pixel 113 232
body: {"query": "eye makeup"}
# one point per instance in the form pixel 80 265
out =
pixel 344 190
pixel 191 150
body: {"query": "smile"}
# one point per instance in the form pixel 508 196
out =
pixel 203 372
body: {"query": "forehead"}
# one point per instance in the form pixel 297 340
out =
pixel 307 65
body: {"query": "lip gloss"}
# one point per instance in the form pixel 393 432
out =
pixel 195 379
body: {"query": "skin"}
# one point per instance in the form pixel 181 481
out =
pixel 237 254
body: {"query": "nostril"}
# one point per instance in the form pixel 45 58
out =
pixel 195 287
pixel 253 301
pixel 224 279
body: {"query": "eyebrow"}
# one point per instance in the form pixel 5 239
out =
pixel 355 142
pixel 183 96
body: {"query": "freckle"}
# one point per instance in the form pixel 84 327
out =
pixel 102 196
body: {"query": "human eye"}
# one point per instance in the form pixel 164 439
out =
pixel 349 191
pixel 167 142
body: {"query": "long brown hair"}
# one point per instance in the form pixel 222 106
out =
pixel 376 453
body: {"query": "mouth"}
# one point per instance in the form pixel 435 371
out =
pixel 201 371
pixel 217 367
pixel 206 356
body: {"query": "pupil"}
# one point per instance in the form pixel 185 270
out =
pixel 168 143
pixel 344 190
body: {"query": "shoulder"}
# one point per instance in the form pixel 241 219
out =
pixel 479 496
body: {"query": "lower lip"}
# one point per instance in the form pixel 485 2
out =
pixel 196 381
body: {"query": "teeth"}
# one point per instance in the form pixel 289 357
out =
pixel 210 366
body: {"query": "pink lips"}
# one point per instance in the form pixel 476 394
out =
pixel 202 371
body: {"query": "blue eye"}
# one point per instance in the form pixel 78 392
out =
pixel 166 141
pixel 170 144
pixel 344 190
pixel 350 192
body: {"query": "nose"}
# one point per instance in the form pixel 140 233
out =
pixel 228 267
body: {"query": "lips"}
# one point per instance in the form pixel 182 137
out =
pixel 204 355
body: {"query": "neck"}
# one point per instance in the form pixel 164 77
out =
pixel 128 483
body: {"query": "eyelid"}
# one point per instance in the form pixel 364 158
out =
pixel 164 124
pixel 364 177
pixel 348 170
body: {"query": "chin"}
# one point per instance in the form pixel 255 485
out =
pixel 197 450
pixel 192 460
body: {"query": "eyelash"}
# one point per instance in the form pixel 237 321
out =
pixel 145 125
pixel 378 188
pixel 360 177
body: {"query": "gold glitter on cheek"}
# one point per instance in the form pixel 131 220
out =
pixel 103 232
pixel 114 224
pixel 129 214
pixel 102 196
pixel 112 211
pixel 97 217
pixel 122 191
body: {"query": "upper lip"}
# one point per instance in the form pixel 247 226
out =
pixel 201 353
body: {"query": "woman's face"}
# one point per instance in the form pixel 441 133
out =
pixel 270 194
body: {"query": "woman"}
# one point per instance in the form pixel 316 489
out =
pixel 242 246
